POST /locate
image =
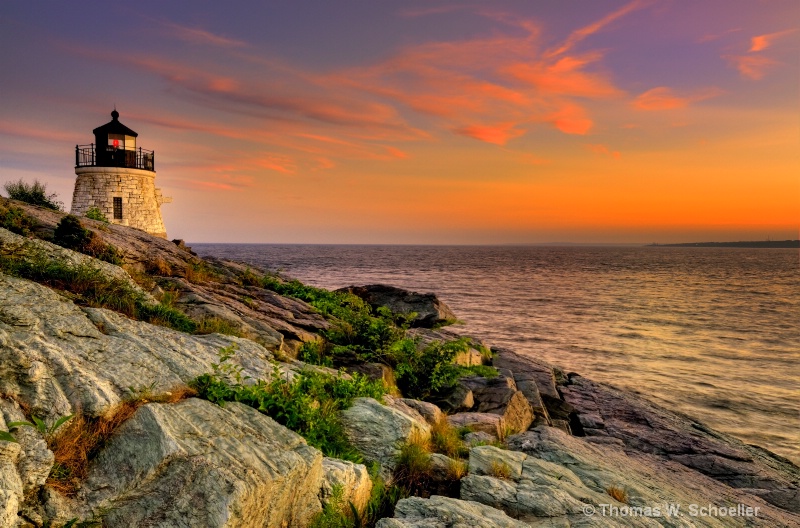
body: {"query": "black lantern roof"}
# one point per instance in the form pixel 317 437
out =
pixel 113 127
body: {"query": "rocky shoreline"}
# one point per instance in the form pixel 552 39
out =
pixel 538 446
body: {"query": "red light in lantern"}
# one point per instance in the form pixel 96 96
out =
pixel 116 143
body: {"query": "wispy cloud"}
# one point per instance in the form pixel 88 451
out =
pixel 603 150
pixel 580 34
pixel 199 36
pixel 762 42
pixel 498 134
pixel 663 98
pixel 753 67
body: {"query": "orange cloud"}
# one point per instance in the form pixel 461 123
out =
pixel 762 42
pixel 498 134
pixel 663 98
pixel 603 150
pixel 571 119
pixel 751 66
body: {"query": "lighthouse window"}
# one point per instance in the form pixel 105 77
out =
pixel 117 208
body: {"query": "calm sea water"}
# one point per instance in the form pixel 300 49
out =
pixel 711 332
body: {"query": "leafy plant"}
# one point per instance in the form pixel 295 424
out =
pixel 309 403
pixel 336 513
pixel 94 213
pixel 7 436
pixel 483 371
pixel 33 193
pixel 422 372
pixel 39 425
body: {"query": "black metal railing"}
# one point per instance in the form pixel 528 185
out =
pixel 89 156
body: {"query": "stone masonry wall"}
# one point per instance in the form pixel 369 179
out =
pixel 141 201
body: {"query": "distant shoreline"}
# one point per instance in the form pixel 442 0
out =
pixel 753 244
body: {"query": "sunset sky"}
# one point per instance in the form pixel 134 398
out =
pixel 423 122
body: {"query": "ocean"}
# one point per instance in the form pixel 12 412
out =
pixel 710 332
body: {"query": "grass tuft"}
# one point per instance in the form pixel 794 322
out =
pixel 618 493
pixel 445 439
pixel 500 470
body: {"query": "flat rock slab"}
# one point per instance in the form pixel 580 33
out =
pixel 648 428
pixel 195 464
pixel 492 424
pixel 444 512
pixel 57 357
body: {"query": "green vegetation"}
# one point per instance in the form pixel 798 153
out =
pixel 16 220
pixel 447 440
pixel 33 193
pixel 307 403
pixel 92 288
pixel 38 424
pixel 215 325
pixel 422 372
pixel 483 371
pixel 95 213
pixel 69 233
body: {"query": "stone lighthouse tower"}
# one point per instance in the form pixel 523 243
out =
pixel 118 178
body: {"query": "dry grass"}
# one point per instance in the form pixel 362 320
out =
pixel 457 469
pixel 215 325
pixel 618 493
pixel 200 272
pixel 500 470
pixel 445 439
pixel 414 467
pixel 80 439
pixel 158 266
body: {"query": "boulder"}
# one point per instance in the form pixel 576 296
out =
pixel 483 460
pixel 430 412
pixel 649 428
pixel 460 398
pixel 429 309
pixel 198 464
pixel 444 512
pixel 378 431
pixel 490 423
pixel 353 479
pixel 375 371
pixel 57 357
pixel 500 396
pixel 533 377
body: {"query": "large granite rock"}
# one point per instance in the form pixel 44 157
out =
pixel 59 358
pixel 195 464
pixel 489 423
pixel 500 396
pixel 444 512
pixel 551 479
pixel 648 428
pixel 429 309
pixel 379 431
pixel 533 377
pixel 353 480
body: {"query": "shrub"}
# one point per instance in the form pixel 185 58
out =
pixel 95 213
pixel 335 513
pixel 69 233
pixel 33 193
pixel 414 467
pixel 309 404
pixel 427 371
pixel 15 220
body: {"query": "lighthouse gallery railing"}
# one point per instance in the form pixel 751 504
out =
pixel 86 156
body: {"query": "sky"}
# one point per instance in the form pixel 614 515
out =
pixel 423 122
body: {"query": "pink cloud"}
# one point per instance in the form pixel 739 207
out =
pixel 586 31
pixel 751 66
pixel 762 42
pixel 663 98
pixel 571 119
pixel 200 36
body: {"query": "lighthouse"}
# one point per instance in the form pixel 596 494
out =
pixel 118 178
